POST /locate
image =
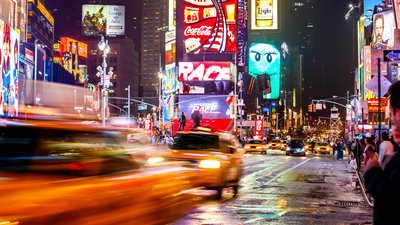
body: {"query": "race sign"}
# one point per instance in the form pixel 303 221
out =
pixel 204 71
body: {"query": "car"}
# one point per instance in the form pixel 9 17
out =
pixel 256 146
pixel 64 172
pixel 296 147
pixel 216 156
pixel 323 147
pixel 284 145
pixel 274 144
pixel 308 146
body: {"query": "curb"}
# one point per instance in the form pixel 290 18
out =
pixel 361 181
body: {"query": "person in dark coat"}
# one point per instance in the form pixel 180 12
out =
pixel 384 185
pixel 182 122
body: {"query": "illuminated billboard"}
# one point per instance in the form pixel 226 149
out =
pixel 384 27
pixel 209 107
pixel 204 71
pixel 205 87
pixel 83 48
pixel 209 25
pixel 103 20
pixel 170 83
pixel 369 6
pixel 264 14
pixel 9 50
pixel 264 69
pixel 397 11
pixel 170 46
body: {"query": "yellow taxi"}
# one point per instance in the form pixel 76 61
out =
pixel 323 147
pixel 309 146
pixel 284 145
pixel 65 172
pixel 256 146
pixel 216 156
pixel 275 144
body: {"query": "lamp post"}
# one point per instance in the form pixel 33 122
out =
pixel 162 77
pixel 103 46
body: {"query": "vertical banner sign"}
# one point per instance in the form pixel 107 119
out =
pixel 259 128
pixel 242 32
pixel 367 66
pixel 209 25
pixel 9 64
pixel 147 124
pixel 264 14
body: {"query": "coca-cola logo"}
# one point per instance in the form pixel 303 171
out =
pixel 200 31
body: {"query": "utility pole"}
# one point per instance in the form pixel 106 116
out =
pixel 129 100
pixel 379 98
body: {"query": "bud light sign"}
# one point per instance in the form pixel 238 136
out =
pixel 259 128
pixel 209 25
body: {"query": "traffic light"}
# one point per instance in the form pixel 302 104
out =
pixel 312 108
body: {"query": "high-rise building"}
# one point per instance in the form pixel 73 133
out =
pixel 40 27
pixel 124 60
pixel 154 16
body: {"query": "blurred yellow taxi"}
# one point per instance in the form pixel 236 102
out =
pixel 216 156
pixel 65 172
pixel 256 146
pixel 284 145
pixel 323 147
pixel 276 143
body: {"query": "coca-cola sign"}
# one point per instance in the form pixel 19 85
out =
pixel 204 30
pixel 209 27
pixel 204 71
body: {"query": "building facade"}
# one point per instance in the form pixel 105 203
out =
pixel 124 60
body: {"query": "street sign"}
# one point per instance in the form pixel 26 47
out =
pixel 142 107
pixel 124 115
pixel 125 106
pixel 391 55
pixel 319 106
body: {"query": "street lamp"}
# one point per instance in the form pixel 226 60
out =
pixel 162 77
pixel 129 100
pixel 105 78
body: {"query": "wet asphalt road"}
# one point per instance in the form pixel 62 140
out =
pixel 280 189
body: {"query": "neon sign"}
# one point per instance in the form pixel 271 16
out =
pixel 204 108
pixel 259 128
pixel 207 71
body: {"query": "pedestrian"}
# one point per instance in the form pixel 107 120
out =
pixel 357 153
pixel 369 151
pixel 383 184
pixel 182 122
pixel 341 149
pixel 386 148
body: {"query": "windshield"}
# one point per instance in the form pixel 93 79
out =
pixel 309 143
pixel 198 142
pixel 323 144
pixel 276 141
pixel 255 142
pixel 296 143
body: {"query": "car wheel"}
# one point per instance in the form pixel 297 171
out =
pixel 235 190
pixel 287 153
pixel 219 192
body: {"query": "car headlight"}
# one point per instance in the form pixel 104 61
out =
pixel 287 149
pixel 210 164
pixel 303 149
pixel 247 147
pixel 154 160
pixel 259 147
pixel 318 147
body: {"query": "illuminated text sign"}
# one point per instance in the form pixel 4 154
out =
pixel 204 71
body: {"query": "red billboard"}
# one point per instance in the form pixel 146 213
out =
pixel 259 128
pixel 147 124
pixel 210 25
pixel 204 71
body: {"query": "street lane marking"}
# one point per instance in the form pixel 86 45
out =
pixel 277 176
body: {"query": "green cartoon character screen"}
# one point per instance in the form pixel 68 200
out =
pixel 264 69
